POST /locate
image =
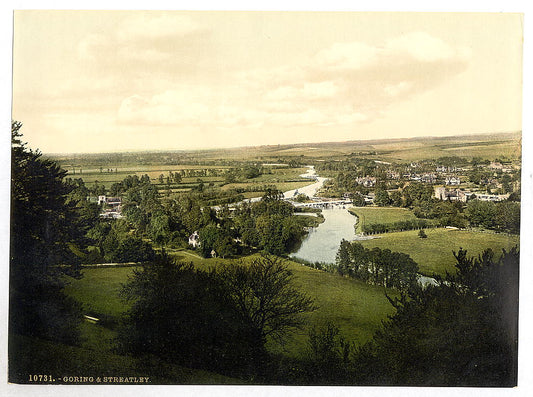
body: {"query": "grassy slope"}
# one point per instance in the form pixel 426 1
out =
pixel 33 356
pixel 355 307
pixel 434 254
pixel 98 289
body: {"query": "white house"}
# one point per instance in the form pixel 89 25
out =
pixel 452 180
pixel 194 239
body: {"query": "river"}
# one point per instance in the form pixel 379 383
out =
pixel 322 242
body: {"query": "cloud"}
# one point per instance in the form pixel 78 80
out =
pixel 145 41
pixel 347 56
pixel 346 83
pixel 398 89
pixel 426 48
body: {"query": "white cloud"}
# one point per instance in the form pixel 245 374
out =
pixel 352 55
pixel 141 40
pixel 322 90
pixel 424 47
pixel 88 46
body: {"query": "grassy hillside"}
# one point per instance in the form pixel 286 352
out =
pixel 33 356
pixel 434 253
pixel 355 307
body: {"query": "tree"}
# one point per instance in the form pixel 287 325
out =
pixel 43 229
pixel 422 234
pixel 358 200
pixel 301 198
pixel 396 198
pixel 481 213
pixel 265 295
pixel 382 198
pixel 159 228
pixel 329 356
pixel 186 316
pixel 508 216
pixel 460 332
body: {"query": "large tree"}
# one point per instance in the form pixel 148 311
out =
pixel 44 228
pixel 265 294
pixel 184 315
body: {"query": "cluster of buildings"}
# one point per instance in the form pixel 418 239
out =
pixel 443 193
pixel 424 178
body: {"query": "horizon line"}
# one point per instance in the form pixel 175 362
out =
pixel 125 151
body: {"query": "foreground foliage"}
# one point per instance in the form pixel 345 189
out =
pixel 44 228
pixel 461 332
pixel 217 320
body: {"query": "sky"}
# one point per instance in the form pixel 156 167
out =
pixel 103 81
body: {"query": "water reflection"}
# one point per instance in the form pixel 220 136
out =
pixel 322 242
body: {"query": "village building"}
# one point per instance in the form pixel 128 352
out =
pixel 424 178
pixel 366 181
pixel 393 174
pixel 452 180
pixel 194 239
pixel 491 197
pixel 112 207
pixel 442 193
pixel 428 178
pixel 443 169
pixel 496 166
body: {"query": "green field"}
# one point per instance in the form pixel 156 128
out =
pixel 283 178
pixel 382 215
pixel 357 308
pixel 434 253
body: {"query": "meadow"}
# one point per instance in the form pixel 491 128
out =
pixel 282 177
pixel 434 254
pixel 355 307
pixel 380 215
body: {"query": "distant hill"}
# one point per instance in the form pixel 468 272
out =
pixel 490 145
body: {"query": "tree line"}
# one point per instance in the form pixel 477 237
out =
pixel 376 266
pixel 398 226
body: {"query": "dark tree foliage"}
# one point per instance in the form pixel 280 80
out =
pixel 187 316
pixel 382 198
pixel 265 295
pixel 501 216
pixel 218 320
pixel 376 266
pixel 417 193
pixel 43 230
pixel 329 358
pixel 268 224
pixel 358 200
pixel 461 332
